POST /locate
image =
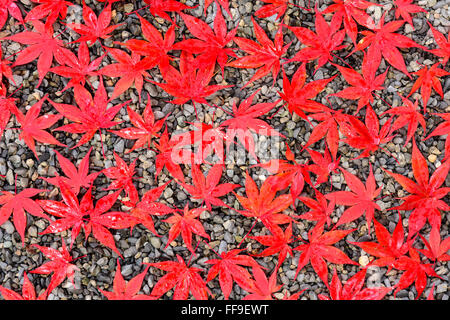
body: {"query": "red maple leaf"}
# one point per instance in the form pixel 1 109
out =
pixel 148 207
pixel 185 225
pixel 415 272
pixel 323 165
pixel 210 45
pixel 389 247
pixel 265 55
pixel 444 45
pixel 76 176
pixel 321 210
pixel 245 122
pixel 319 248
pixel 298 95
pixel 367 136
pixel 91 115
pixel 353 289
pixel 18 204
pixel 426 196
pixel 170 155
pixel 32 126
pixel 126 290
pixel 130 69
pixel 155 46
pixel 162 7
pixel 263 288
pixel 7 105
pixel 77 69
pixel 52 9
pixel 262 204
pixel 362 85
pixel 208 189
pixel 436 250
pixel 272 7
pixel 42 45
pixel 75 215
pixel 277 242
pixel 319 45
pixel 60 265
pixel 442 129
pixel 229 268
pixel 407 115
pixel 122 176
pixel 384 42
pixel 361 199
pixel 28 291
pixel 13 9
pixel 5 69
pixel 185 279
pixel 428 79
pixel 145 127
pixel 404 8
pixel 95 27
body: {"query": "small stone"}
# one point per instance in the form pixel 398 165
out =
pixel 128 7
pixel 127 270
pixel 364 261
pixel 102 261
pixel 8 227
pixel 32 232
pixel 441 288
pixel 119 146
pixel 432 158
pixel 155 242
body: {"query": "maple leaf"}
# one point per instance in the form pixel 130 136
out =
pixel 272 7
pixel 245 122
pixel 210 45
pixel 77 69
pixel 32 126
pixel 263 287
pixel 60 265
pixel 319 45
pixel 428 79
pixel 224 3
pixel 277 242
pixel 436 250
pixel 415 272
pixel 126 290
pixel 264 55
pixel 41 45
pixel 185 279
pixel 389 247
pixel 361 199
pixel 262 204
pixel 148 207
pixel 91 115
pixel 145 127
pixel 186 224
pixel 351 12
pixel 18 204
pixel 76 177
pixel 367 136
pixel 130 69
pixel 323 166
pixel 95 27
pixel 162 7
pixel 52 9
pixel 6 106
pixel 191 82
pixel 155 46
pixel 362 85
pixel 426 196
pixel 320 210
pixel 75 215
pixel 208 189
pixel 5 69
pixel 28 291
pixel 404 8
pixel 298 95
pixel 384 42
pixel 443 129
pixel 122 176
pixel 11 7
pixel 169 152
pixel 353 289
pixel 444 45
pixel 229 268
pixel 320 249
pixel 287 174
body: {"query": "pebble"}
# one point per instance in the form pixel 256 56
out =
pixel 8 227
pixel 155 242
pixel 127 270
